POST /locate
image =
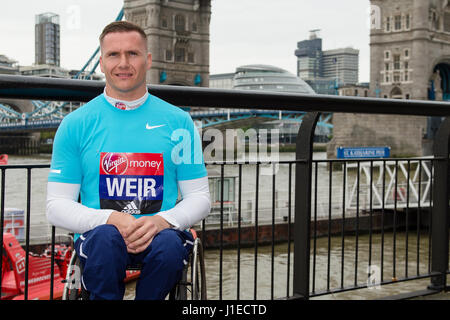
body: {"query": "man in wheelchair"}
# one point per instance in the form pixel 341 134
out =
pixel 126 153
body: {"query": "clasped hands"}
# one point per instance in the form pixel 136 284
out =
pixel 137 233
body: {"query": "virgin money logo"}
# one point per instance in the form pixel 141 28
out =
pixel 115 163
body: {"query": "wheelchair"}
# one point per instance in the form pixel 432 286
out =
pixel 192 284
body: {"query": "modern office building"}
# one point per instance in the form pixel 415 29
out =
pixel 44 70
pixel 326 70
pixel 8 66
pixel 47 44
pixel 341 64
pixel 221 81
pixel 309 54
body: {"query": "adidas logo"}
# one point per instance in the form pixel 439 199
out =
pixel 131 208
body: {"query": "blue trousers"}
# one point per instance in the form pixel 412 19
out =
pixel 104 257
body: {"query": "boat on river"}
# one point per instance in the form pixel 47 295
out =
pixel 3 159
pixel 39 271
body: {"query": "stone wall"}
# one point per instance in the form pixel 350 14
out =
pixel 404 134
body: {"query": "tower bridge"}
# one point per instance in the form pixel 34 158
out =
pixel 398 70
pixel 190 36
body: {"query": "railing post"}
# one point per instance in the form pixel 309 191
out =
pixel 439 220
pixel 303 187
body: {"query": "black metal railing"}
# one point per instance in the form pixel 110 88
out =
pixel 302 278
pixel 26 227
pixel 345 227
pixel 375 228
pixel 255 240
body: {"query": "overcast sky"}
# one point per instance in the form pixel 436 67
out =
pixel 242 31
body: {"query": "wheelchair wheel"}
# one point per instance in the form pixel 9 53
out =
pixel 72 286
pixel 198 273
pixel 193 279
pixel 179 292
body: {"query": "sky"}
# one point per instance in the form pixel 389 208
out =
pixel 241 31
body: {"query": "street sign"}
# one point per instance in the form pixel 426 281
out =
pixel 363 152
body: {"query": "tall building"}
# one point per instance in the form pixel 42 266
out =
pixel 326 70
pixel 47 33
pixel 178 38
pixel 309 57
pixel 341 64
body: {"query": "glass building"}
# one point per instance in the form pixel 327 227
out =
pixel 269 78
pixel 309 54
pixel 341 64
pixel 47 50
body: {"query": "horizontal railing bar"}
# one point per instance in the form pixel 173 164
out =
pixel 23 87
pixel 379 159
pixel 25 166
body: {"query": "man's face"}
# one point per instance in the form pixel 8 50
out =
pixel 125 60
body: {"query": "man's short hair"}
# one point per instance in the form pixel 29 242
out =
pixel 122 26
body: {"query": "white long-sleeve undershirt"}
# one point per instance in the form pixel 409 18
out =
pixel 64 211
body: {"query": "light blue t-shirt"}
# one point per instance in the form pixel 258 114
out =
pixel 127 160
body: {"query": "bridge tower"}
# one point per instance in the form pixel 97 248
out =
pixel 409 59
pixel 410 49
pixel 178 38
pixel 410 54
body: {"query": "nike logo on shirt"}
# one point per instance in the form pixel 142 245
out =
pixel 148 127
